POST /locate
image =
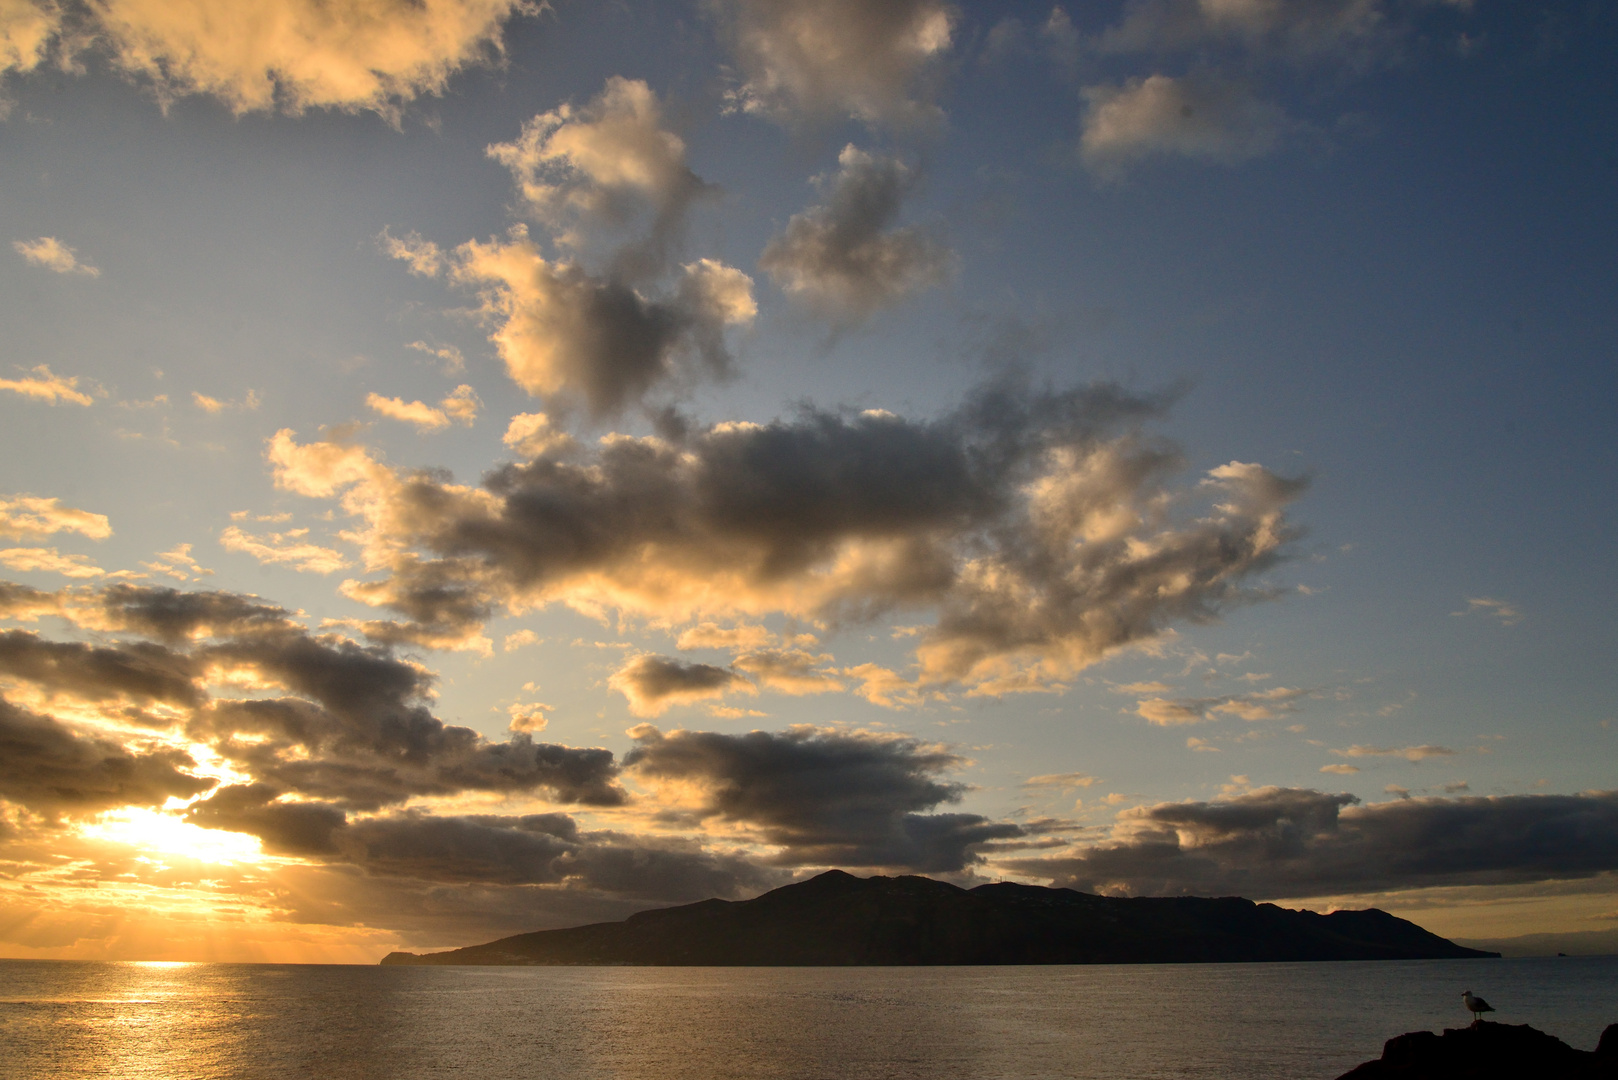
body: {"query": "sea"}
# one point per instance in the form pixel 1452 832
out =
pixel 65 1020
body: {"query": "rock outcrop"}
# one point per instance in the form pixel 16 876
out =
pixel 1487 1051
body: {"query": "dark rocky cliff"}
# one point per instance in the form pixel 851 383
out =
pixel 837 919
pixel 1488 1051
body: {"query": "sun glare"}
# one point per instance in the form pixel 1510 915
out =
pixel 161 834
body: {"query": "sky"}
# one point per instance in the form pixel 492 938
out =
pixel 475 466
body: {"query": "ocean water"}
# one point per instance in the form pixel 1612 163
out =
pixel 66 1021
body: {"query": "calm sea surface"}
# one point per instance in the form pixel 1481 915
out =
pixel 65 1021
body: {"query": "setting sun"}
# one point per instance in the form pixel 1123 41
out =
pixel 155 833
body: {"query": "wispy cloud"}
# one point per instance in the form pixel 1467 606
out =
pixel 460 406
pixel 1411 754
pixel 846 258
pixel 292 548
pixel 50 561
pixel 1506 613
pixel 29 515
pixel 1061 780
pixel 1333 846
pixel 51 254
pixel 48 387
pixel 1260 705
pixel 249 402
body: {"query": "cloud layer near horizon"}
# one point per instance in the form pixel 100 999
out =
pixel 1296 842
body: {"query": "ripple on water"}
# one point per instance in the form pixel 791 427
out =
pixel 76 1021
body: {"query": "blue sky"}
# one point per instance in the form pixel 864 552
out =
pixel 1064 432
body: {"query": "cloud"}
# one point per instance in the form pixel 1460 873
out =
pixel 1505 612
pixel 518 639
pixel 652 683
pixel 529 718
pixel 53 770
pixel 824 797
pixel 449 355
pixel 352 727
pixel 326 718
pixel 615 315
pixel 30 515
pixel 1310 30
pixel 1411 754
pixel 178 564
pixel 1340 770
pixel 789 671
pixel 460 406
pixel 1263 705
pixel 491 851
pixel 713 636
pixel 173 617
pixel 563 330
pixel 600 163
pixel 49 561
pixel 49 252
pixel 47 387
pixel 1061 780
pixel 26 30
pixel 289 547
pixel 1160 115
pixel 1041 529
pixel 142 673
pixel 844 258
pixel 249 403
pixel 1296 842
pixel 820 60
pixel 293 55
pixel 532 435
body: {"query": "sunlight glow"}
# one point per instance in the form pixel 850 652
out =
pixel 164 835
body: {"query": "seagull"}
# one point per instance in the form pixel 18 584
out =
pixel 1476 1005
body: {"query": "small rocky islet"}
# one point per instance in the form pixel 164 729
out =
pixel 1490 1051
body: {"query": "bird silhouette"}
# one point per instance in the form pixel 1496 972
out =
pixel 1476 1005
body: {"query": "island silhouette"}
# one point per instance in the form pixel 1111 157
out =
pixel 837 919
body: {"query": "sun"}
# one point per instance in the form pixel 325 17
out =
pixel 161 834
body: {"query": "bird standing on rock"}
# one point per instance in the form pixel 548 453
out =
pixel 1476 1005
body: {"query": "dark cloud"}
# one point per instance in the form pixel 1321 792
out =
pixel 844 258
pixel 22 602
pixel 486 850
pixel 827 798
pixel 354 725
pixel 790 671
pixel 652 683
pixel 607 163
pixel 511 851
pixel 608 338
pixel 140 672
pixel 53 770
pixel 173 616
pixel 1041 527
pixel 1292 842
pixel 388 759
pixel 286 828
